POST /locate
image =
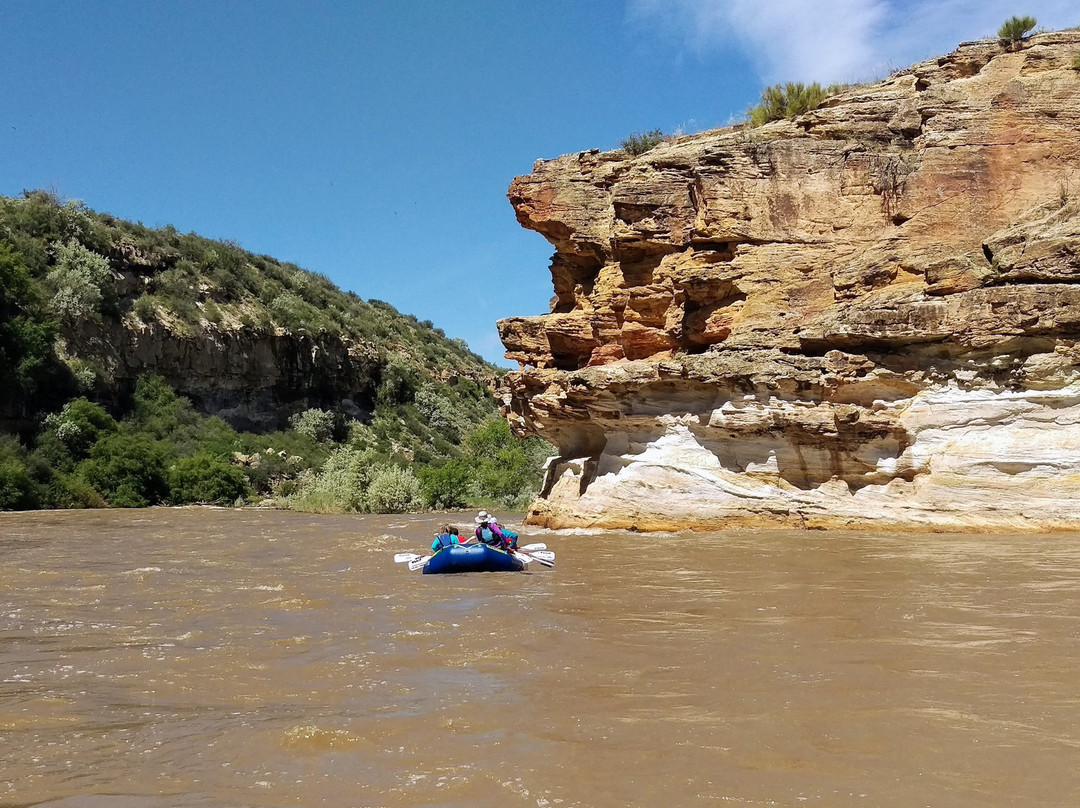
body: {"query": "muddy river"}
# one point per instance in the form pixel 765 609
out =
pixel 223 659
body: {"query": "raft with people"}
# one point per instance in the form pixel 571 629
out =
pixel 472 558
pixel 492 548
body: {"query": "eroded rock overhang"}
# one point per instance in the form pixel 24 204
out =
pixel 866 316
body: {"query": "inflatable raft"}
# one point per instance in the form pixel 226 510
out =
pixel 472 558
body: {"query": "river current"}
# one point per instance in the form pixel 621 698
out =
pixel 202 658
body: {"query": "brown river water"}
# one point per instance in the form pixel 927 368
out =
pixel 213 658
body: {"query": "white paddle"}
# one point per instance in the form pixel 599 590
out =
pixel 527 557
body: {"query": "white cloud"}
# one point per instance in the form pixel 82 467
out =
pixel 796 40
pixel 836 40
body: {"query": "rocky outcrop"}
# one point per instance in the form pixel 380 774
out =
pixel 865 316
pixel 251 378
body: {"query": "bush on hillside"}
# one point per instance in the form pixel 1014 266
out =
pixel 504 468
pixel 397 383
pixel 165 416
pixel 26 335
pixel 340 485
pixel 204 479
pixel 70 434
pixel 319 425
pixel 393 490
pixel 447 486
pixel 79 281
pixel 439 412
pixel 641 142
pixel 19 491
pixel 127 470
pixel 1014 29
pixel 788 100
pixel 72 491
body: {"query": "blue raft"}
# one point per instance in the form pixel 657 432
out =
pixel 472 558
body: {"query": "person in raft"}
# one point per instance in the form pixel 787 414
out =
pixel 447 536
pixel 490 533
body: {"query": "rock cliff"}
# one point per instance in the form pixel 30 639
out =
pixel 251 378
pixel 866 316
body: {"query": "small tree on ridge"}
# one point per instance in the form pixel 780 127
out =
pixel 1015 29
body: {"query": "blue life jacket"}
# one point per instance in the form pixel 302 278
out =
pixel 492 539
pixel 444 540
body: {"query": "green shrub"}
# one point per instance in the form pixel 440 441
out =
pixel 184 309
pixel 19 491
pixel 319 425
pixel 505 469
pixel 84 373
pixel 160 412
pixel 145 308
pixel 340 485
pixel 128 470
pixel 212 312
pixel 1014 29
pixel 204 479
pixel 70 434
pixel 788 100
pixel 393 490
pixel 78 280
pixel 641 142
pixel 439 413
pixel 72 491
pixel 398 382
pixel 447 486
pixel 26 333
pixel 1076 62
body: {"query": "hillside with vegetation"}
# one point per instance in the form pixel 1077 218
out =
pixel 145 366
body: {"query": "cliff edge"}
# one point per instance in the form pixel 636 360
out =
pixel 867 316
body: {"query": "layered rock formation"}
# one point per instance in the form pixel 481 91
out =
pixel 867 316
pixel 254 379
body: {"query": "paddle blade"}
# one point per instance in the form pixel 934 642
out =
pixel 528 548
pixel 419 562
pixel 543 555
pixel 526 557
pixel 401 558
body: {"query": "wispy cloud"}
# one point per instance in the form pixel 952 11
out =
pixel 835 40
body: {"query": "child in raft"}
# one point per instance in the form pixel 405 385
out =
pixel 447 536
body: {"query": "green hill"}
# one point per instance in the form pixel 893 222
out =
pixel 146 365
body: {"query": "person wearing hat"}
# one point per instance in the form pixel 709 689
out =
pixel 488 532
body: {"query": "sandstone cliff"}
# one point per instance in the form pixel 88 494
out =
pixel 867 316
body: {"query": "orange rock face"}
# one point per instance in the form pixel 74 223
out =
pixel 923 233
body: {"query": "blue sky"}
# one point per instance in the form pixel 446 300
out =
pixel 374 141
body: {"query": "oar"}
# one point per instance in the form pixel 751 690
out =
pixel 528 548
pixel 546 555
pixel 419 562
pixel 527 557
pixel 400 558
